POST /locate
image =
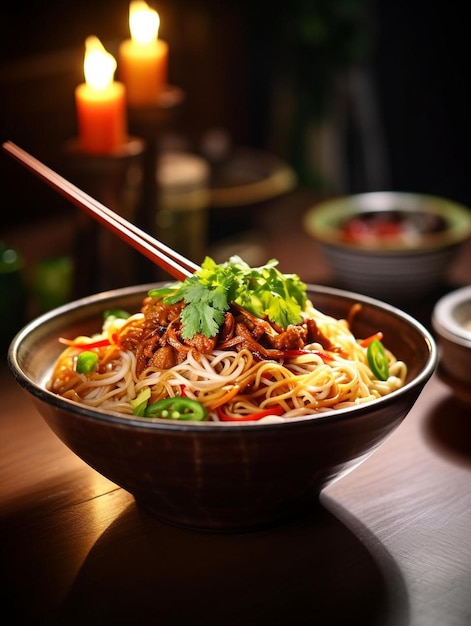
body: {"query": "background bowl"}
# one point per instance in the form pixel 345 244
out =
pixel 451 321
pixel 390 268
pixel 220 476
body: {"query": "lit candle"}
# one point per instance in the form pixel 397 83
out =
pixel 100 102
pixel 143 59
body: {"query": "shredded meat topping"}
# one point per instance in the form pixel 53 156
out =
pixel 157 340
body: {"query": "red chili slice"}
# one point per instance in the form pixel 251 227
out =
pixel 101 343
pixel 253 417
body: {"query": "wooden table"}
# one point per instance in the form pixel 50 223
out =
pixel 390 544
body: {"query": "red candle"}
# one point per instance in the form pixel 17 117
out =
pixel 143 59
pixel 100 102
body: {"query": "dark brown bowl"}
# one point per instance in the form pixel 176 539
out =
pixel 220 476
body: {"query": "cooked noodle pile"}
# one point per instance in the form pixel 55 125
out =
pixel 249 367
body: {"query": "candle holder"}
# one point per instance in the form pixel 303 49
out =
pixel 101 260
pixel 151 122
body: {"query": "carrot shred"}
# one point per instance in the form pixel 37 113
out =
pixel 233 391
pixel 364 343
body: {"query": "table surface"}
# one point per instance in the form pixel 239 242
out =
pixel 389 545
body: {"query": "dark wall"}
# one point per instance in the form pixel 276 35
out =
pixel 422 72
pixel 253 69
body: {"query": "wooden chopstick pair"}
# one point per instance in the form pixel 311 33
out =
pixel 171 261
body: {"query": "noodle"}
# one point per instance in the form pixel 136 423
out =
pixel 324 375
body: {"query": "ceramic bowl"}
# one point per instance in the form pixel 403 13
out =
pixel 390 245
pixel 220 476
pixel 451 321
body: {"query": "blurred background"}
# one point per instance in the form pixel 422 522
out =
pixel 354 94
pixel 349 95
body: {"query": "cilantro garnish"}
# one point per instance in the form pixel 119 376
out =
pixel 264 291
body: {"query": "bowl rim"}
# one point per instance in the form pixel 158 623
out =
pixel 320 220
pixel 40 392
pixel 443 320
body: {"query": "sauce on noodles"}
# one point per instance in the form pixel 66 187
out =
pixel 252 368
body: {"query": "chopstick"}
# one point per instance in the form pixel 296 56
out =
pixel 171 261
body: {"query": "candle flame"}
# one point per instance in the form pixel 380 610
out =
pixel 144 22
pixel 99 65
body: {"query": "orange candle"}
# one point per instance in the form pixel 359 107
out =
pixel 143 59
pixel 100 102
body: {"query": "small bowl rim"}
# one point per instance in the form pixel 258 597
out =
pixel 443 320
pixel 459 388
pixel 320 221
pixel 41 393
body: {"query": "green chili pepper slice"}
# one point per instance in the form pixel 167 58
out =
pixel 177 408
pixel 377 360
pixel 86 362
pixel 117 313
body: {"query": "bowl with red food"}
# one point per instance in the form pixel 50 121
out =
pixel 229 401
pixel 390 245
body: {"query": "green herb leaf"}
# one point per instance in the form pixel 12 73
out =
pixel 264 291
pixel 162 292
